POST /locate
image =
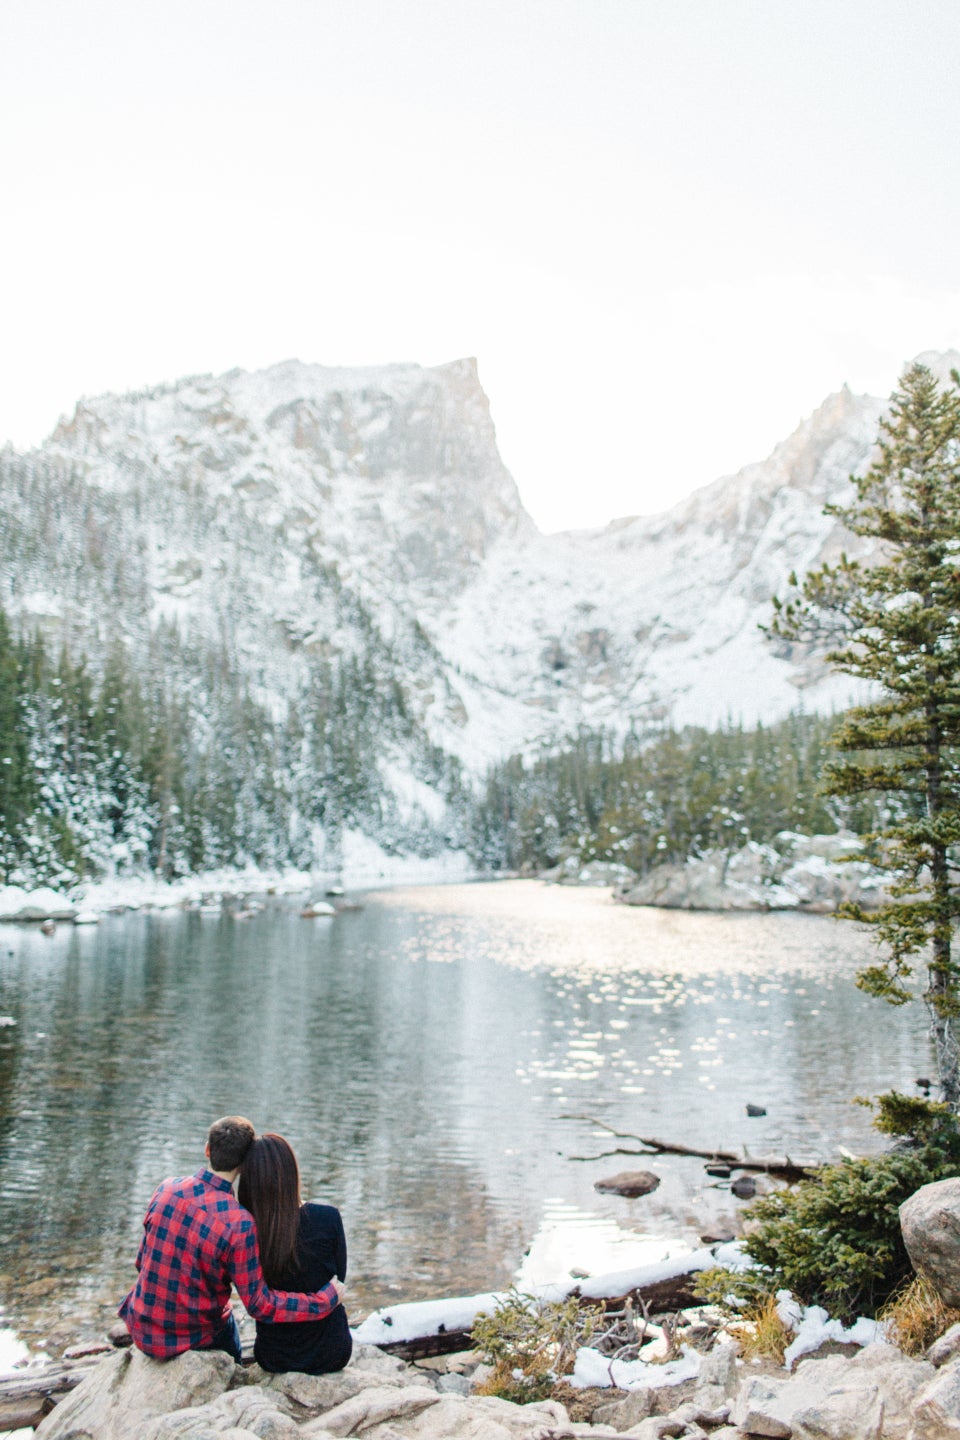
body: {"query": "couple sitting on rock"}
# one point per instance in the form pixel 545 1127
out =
pixel 287 1260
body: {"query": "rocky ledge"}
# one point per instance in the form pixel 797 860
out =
pixel 879 1394
pixel 796 872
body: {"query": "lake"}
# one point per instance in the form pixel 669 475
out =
pixel 423 1055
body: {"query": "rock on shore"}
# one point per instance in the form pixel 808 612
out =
pixel 797 872
pixel 930 1223
pixel 880 1394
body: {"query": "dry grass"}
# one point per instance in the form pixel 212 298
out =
pixel 522 1389
pixel 916 1316
pixel 764 1336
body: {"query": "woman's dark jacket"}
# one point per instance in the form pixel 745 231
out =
pixel 312 1346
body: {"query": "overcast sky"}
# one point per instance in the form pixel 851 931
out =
pixel 666 228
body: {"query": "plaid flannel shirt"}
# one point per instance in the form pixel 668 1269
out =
pixel 197 1239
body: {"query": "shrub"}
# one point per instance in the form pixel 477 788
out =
pixel 834 1239
pixel 530 1343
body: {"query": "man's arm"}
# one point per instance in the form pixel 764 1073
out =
pixel 274 1305
pixel 142 1247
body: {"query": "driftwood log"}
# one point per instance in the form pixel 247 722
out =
pixel 781 1167
pixel 666 1295
pixel 27 1395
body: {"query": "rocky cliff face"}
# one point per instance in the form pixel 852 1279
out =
pixel 392 472
pixel 659 615
pixel 303 511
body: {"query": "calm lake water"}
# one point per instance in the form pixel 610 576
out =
pixel 423 1056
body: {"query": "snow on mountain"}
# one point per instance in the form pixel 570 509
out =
pixel 391 470
pixel 303 512
pixel 659 615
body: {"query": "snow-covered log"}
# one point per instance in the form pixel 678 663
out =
pixel 439 1327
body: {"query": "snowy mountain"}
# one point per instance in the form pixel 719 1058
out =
pixel 659 615
pixel 302 516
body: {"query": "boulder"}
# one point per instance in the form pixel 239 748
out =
pixel 843 1413
pixel 667 1398
pixel 440 1417
pixel 946 1347
pixel 622 1414
pixel 303 1397
pixel 930 1223
pixel 697 885
pixel 936 1412
pixel 797 872
pixel 695 1415
pixel 371 1360
pixel 46 904
pixel 848 1384
pixel 127 1390
pixel 871 1397
pixel 376 1405
pixel 247 1411
pixel 453 1384
pixel 759 1409
pixel 719 1376
pixel 630 1183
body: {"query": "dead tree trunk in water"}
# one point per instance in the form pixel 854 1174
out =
pixel 781 1167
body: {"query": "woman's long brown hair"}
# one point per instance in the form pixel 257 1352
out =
pixel 270 1189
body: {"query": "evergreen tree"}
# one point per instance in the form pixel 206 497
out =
pixel 17 791
pixel 894 622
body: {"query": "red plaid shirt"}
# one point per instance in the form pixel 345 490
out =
pixel 197 1238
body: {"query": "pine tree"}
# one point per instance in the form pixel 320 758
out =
pixel 893 621
pixel 17 792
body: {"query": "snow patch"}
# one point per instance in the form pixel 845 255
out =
pixel 424 1317
pixel 813 1327
pixel 595 1370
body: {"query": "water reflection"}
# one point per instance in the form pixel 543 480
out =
pixel 421 1056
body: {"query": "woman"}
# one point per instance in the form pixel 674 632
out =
pixel 302 1247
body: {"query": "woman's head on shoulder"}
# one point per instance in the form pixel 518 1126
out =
pixel 269 1165
pixel 270 1189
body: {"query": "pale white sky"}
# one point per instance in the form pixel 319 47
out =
pixel 666 228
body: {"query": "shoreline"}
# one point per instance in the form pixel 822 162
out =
pixel 805 874
pixel 687 1351
pixel 401 1323
pixel 366 867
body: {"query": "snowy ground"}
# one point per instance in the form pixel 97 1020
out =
pixel 364 864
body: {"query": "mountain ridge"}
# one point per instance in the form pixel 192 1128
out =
pixel 303 516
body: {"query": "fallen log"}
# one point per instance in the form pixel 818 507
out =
pixel 27 1395
pixel 664 1297
pixel 781 1167
pixel 666 1294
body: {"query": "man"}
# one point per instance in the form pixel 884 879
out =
pixel 197 1240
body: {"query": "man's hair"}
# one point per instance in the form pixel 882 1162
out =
pixel 229 1140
